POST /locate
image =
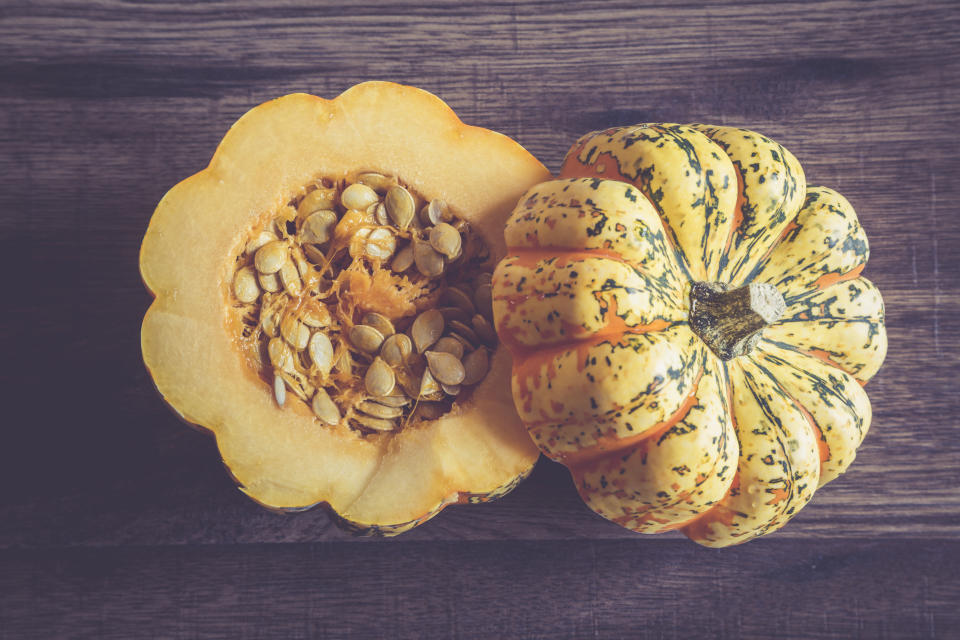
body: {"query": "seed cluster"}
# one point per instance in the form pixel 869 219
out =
pixel 366 302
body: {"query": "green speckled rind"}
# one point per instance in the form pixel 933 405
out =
pixel 642 488
pixel 607 375
pixel 690 181
pixel 842 324
pixel 770 187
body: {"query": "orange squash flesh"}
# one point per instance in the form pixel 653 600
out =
pixel 283 457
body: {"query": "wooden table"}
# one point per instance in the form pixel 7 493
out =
pixel 118 522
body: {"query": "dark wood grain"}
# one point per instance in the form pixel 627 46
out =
pixel 105 105
pixel 589 589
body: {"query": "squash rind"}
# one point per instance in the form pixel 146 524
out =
pixel 731 206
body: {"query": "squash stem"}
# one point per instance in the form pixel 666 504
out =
pixel 731 320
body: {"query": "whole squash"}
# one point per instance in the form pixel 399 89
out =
pixel 304 217
pixel 690 329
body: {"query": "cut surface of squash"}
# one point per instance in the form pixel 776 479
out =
pixel 192 337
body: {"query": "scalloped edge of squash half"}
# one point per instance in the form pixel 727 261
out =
pixel 284 458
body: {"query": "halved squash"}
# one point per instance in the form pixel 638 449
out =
pixel 282 456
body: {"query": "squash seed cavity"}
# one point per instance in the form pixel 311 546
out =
pixel 367 302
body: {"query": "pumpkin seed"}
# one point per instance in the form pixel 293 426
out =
pixel 381 243
pixel 268 321
pixel 395 400
pixel 467 345
pixel 321 352
pixel 454 313
pixel 380 379
pixel 458 298
pixel 290 279
pixel 428 261
pixel 449 345
pixel 377 181
pixel 366 338
pixel 464 330
pixel 379 322
pixel 358 196
pixel 325 408
pixel 483 299
pixel 378 410
pixel 269 281
pixel 298 385
pixel 428 410
pixel 271 256
pixel 316 200
pixel 303 267
pixel 409 383
pixel 450 389
pixel 484 330
pixel 402 260
pixel 245 285
pixel 434 212
pixel 445 367
pixel 315 316
pixel 423 217
pixel 380 214
pixel 429 387
pixel 258 241
pixel 376 424
pixel 279 390
pixel 446 240
pixel 318 227
pixel 400 206
pixel 475 366
pixel 358 242
pixel 314 254
pixel 344 363
pixel 416 225
pixel 426 329
pixel 280 355
pixel 396 349
pixel 293 331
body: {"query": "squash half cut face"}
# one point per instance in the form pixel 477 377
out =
pixel 282 269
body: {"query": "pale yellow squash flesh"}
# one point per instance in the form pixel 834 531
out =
pixel 283 457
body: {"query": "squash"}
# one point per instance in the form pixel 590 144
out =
pixel 203 258
pixel 689 327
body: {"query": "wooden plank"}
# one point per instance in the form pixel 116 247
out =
pixel 105 105
pixel 597 589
